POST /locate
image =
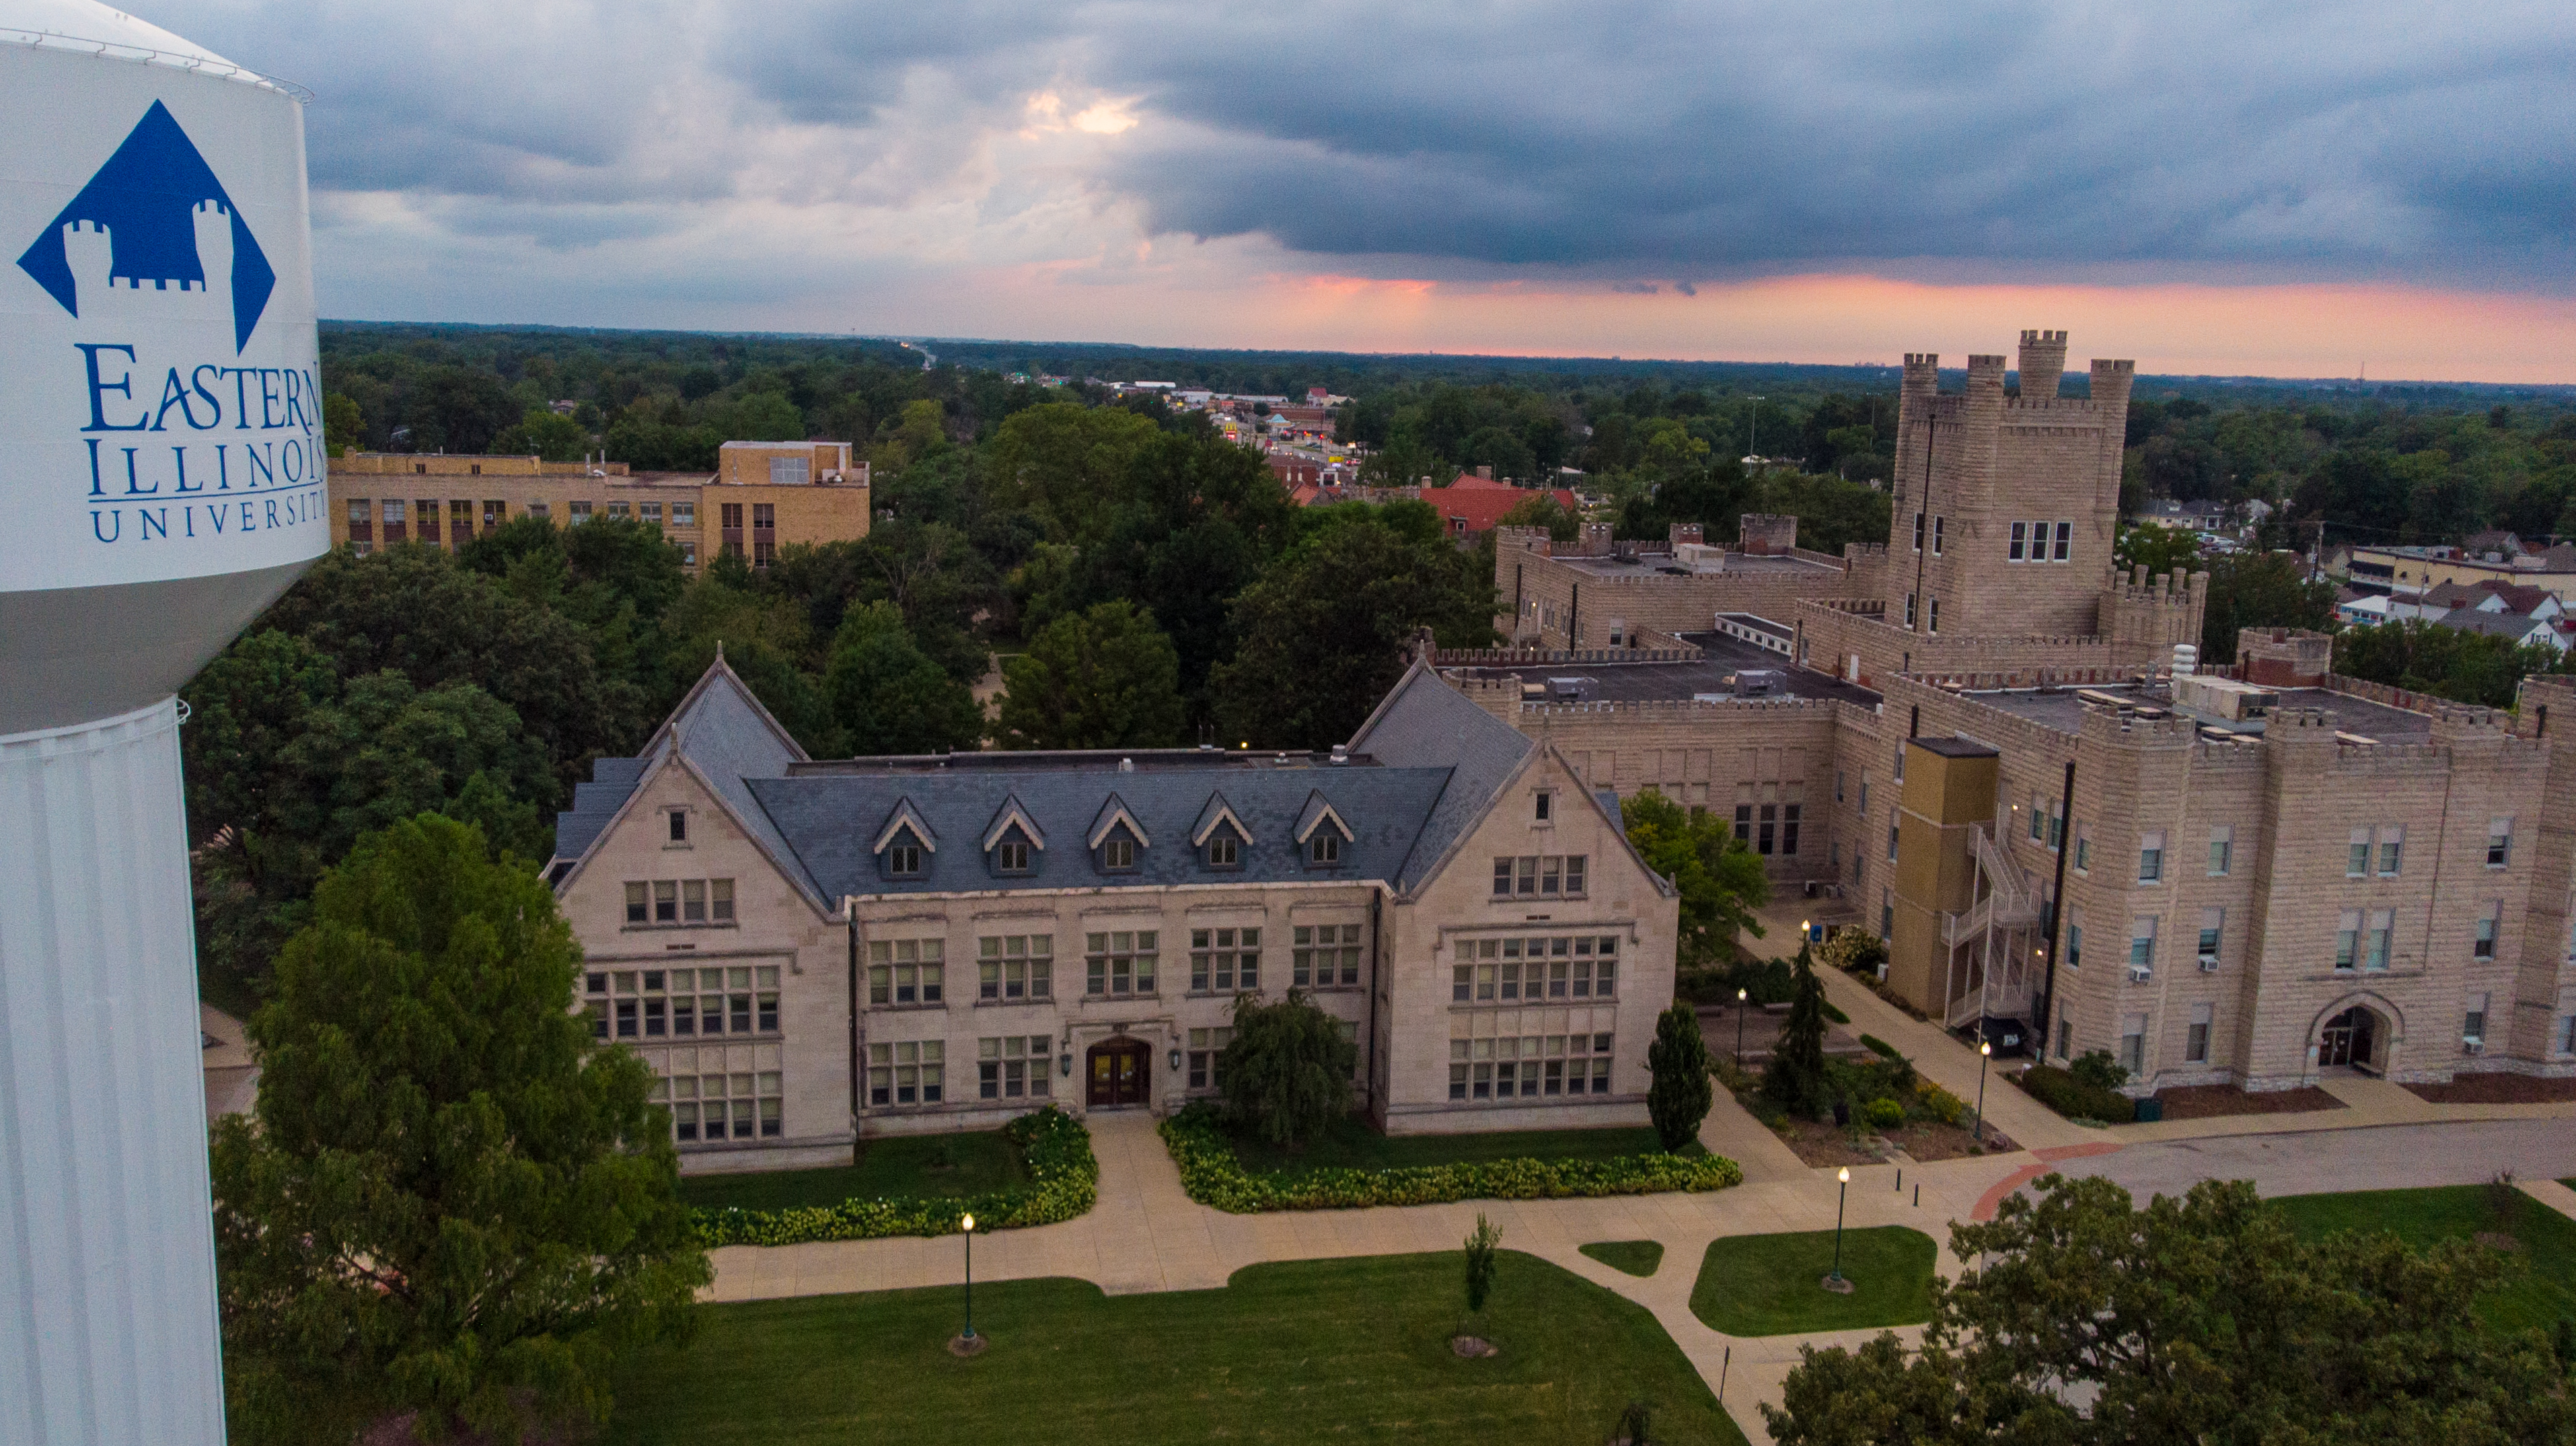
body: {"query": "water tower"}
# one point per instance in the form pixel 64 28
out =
pixel 161 481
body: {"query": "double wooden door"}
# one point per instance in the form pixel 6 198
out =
pixel 1118 1073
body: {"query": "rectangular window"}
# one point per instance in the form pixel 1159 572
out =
pixel 1011 856
pixel 1891 835
pixel 2083 850
pixel 2392 848
pixel 2065 541
pixel 1326 955
pixel 1014 967
pixel 2347 953
pixel 1933 624
pixel 907 1072
pixel 637 911
pixel 578 511
pixel 2356 861
pixel 2034 818
pixel 2473 1027
pixel 1864 795
pixel 2499 842
pixel 906 971
pixel 2375 944
pixel 2213 925
pixel 2151 857
pixel 2566 1034
pixel 720 900
pixel 666 901
pixel 693 901
pixel 1838 785
pixel 1918 538
pixel 1789 828
pixel 1940 530
pixel 1766 835
pixel 1324 848
pixel 617 510
pixel 1541 804
pixel 1207 1058
pixel 2142 944
pixel 2020 531
pixel 684 514
pixel 679 820
pixel 2222 851
pixel 1909 615
pixel 2483 944
pixel 2075 938
pixel 1120 963
pixel 2133 1044
pixel 1012 1067
pixel 903 860
pixel 1222 960
pixel 1118 853
pixel 652 513
pixel 1744 823
pixel 2195 1046
pixel 790 471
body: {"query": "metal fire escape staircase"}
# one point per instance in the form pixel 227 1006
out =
pixel 1996 932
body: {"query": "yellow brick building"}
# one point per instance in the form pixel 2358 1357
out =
pixel 763 496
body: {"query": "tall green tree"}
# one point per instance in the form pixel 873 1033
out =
pixel 887 696
pixel 1721 881
pixel 2158 548
pixel 2260 590
pixel 1679 1095
pixel 1795 1077
pixel 1325 630
pixel 547 433
pixel 1106 678
pixel 1286 1075
pixel 450 1200
pixel 2199 1321
pixel 2446 662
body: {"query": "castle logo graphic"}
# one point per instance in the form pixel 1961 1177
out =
pixel 154 219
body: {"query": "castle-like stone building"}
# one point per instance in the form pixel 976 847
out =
pixel 2266 871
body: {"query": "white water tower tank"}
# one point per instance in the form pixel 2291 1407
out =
pixel 161 472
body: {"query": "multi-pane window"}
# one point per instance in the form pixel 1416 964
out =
pixel 906 1072
pixel 2151 857
pixel 2347 953
pixel 1933 623
pixel 579 511
pixel 1011 856
pixel 1918 532
pixel 1562 966
pixel 1224 850
pixel 1224 959
pixel 651 512
pixel 2032 542
pixel 707 1108
pixel 683 1003
pixel 617 510
pixel 679 901
pixel 2213 924
pixel 1323 955
pixel 2483 944
pixel 1012 1067
pixel 2195 1045
pixel 2473 1027
pixel 1012 967
pixel 2499 842
pixel 2356 859
pixel 1530 1066
pixel 903 856
pixel 2065 542
pixel 1540 875
pixel 2133 1044
pixel 2035 817
pixel 907 971
pixel 1119 963
pixel 2392 848
pixel 1789 828
pixel 1324 846
pixel 2375 943
pixel 684 514
pixel 1118 852
pixel 2222 851
pixel 2142 944
pixel 2566 1034
pixel 2074 938
pixel 1891 835
pixel 1940 532
pixel 2083 850
pixel 1207 1057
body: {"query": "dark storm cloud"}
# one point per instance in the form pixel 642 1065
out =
pixel 1632 141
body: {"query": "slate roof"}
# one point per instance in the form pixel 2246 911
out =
pixel 828 820
pixel 1423 721
pixel 612 782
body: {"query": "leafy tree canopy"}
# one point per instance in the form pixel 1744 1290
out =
pixel 1287 1073
pixel 1720 879
pixel 887 696
pixel 1106 678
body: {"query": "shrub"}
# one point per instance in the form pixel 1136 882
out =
pixel 1287 1074
pixel 2096 1068
pixel 1834 1014
pixel 1884 1114
pixel 2075 1097
pixel 1880 1047
pixel 1938 1104
pixel 1064 1178
pixel 1679 1097
pixel 1480 1263
pixel 1212 1176
pixel 1854 951
pixel 1764 981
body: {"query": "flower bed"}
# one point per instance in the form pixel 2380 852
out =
pixel 1064 1179
pixel 1213 1176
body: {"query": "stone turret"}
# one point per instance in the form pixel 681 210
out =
pixel 2043 361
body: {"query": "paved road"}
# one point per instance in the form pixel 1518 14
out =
pixel 2386 1157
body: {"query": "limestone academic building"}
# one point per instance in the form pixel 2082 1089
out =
pixel 2267 871
pixel 806 950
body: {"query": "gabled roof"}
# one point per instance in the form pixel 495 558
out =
pixel 902 817
pixel 1113 813
pixel 1013 812
pixel 1218 811
pixel 1318 812
pixel 1421 721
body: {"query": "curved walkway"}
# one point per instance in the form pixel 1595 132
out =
pixel 1145 1234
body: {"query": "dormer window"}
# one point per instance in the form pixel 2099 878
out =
pixel 904 843
pixel 1011 856
pixel 1220 836
pixel 1116 837
pixel 1012 841
pixel 1324 848
pixel 1321 833
pixel 1118 852
pixel 1224 850
pixel 903 856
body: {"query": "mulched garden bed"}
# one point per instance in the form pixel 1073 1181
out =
pixel 2207 1102
pixel 1927 1141
pixel 1826 1143
pixel 2498 1089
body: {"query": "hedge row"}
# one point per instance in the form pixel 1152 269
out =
pixel 1212 1175
pixel 2074 1098
pixel 1064 1179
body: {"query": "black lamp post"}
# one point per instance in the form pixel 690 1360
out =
pixel 1834 1279
pixel 1985 1051
pixel 1740 997
pixel 967 1223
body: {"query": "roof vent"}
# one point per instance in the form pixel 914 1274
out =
pixel 1126 765
pixel 1341 753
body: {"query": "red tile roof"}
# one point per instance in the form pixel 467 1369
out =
pixel 1475 511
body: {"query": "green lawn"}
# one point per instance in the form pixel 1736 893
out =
pixel 1766 1285
pixel 895 1167
pixel 2458 1212
pixel 1356 1144
pixel 1348 1350
pixel 1636 1257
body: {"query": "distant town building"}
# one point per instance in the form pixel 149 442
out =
pixel 2410 571
pixel 763 496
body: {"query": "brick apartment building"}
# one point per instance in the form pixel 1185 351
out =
pixel 2274 871
pixel 763 496
pixel 807 950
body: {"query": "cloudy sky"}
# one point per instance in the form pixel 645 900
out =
pixel 2282 188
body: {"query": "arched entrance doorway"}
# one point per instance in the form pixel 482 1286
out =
pixel 1115 1072
pixel 2349 1038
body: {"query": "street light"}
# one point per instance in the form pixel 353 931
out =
pixel 1985 1051
pixel 967 1223
pixel 1834 1280
pixel 1740 996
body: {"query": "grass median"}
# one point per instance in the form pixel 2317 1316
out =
pixel 1768 1285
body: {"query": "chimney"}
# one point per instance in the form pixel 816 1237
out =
pixel 1486 472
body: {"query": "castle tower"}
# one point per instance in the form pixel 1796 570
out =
pixel 2043 361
